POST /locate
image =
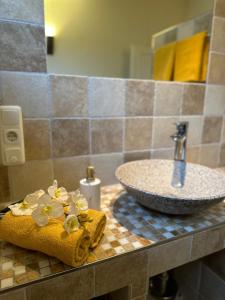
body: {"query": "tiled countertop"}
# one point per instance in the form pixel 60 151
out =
pixel 130 227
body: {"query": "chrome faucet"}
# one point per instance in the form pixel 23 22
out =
pixel 180 139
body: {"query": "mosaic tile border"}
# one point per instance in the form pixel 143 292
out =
pixel 129 227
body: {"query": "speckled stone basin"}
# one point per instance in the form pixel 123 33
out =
pixel 172 187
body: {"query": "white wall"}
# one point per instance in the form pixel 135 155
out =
pixel 93 37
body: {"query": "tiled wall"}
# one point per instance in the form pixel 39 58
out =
pixel 71 121
pixel 22 36
pixel 183 30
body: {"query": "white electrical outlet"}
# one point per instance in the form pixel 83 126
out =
pixel 12 139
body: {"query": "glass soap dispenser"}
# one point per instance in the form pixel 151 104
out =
pixel 90 188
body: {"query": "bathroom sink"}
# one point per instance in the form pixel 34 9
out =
pixel 172 187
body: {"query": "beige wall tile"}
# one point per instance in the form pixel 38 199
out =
pixel 69 96
pixel 138 133
pixel 209 155
pixel 106 135
pixel 19 294
pixel 163 128
pixel 106 165
pixel 22 10
pixel 139 97
pixel 207 242
pixel 193 154
pixel 214 100
pixel 136 155
pixel 168 99
pixel 168 256
pixel 4 186
pixel 212 130
pixel 123 271
pixel 193 100
pixel 70 137
pixel 31 176
pixel 162 153
pixel 220 8
pixel 37 139
pixel 203 22
pixel 22 47
pixel 68 171
pixel 216 69
pixel 106 97
pixel 195 124
pixel 217 42
pixel 28 90
pixel 78 285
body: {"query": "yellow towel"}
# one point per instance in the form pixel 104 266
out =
pixel 188 58
pixel 72 249
pixel 164 62
pixel 96 227
pixel 205 60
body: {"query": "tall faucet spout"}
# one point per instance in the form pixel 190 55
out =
pixel 180 139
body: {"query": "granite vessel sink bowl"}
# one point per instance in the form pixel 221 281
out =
pixel 172 187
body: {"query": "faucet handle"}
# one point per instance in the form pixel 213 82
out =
pixel 182 127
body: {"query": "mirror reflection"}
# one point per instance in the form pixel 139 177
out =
pixel 145 39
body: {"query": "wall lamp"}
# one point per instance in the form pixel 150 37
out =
pixel 50 44
pixel 50 39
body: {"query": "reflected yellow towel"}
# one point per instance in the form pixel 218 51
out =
pixel 188 58
pixel 72 249
pixel 205 60
pixel 96 227
pixel 164 62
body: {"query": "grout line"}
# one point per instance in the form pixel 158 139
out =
pixel 123 134
pixel 50 113
pixel 90 136
pixel 24 22
pixel 217 52
pixel 117 118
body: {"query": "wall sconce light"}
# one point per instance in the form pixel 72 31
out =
pixel 50 33
pixel 50 44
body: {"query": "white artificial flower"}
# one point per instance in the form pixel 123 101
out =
pixel 59 194
pixel 71 223
pixel 21 209
pixel 34 198
pixel 47 208
pixel 27 206
pixel 77 203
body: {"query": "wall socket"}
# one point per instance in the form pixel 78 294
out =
pixel 12 138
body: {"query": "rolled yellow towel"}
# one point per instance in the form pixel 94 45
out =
pixel 52 239
pixel 96 226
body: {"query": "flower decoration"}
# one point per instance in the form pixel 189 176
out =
pixel 47 208
pixel 71 223
pixel 26 207
pixel 58 193
pixel 42 207
pixel 78 203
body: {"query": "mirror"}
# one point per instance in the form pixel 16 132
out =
pixel 128 38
